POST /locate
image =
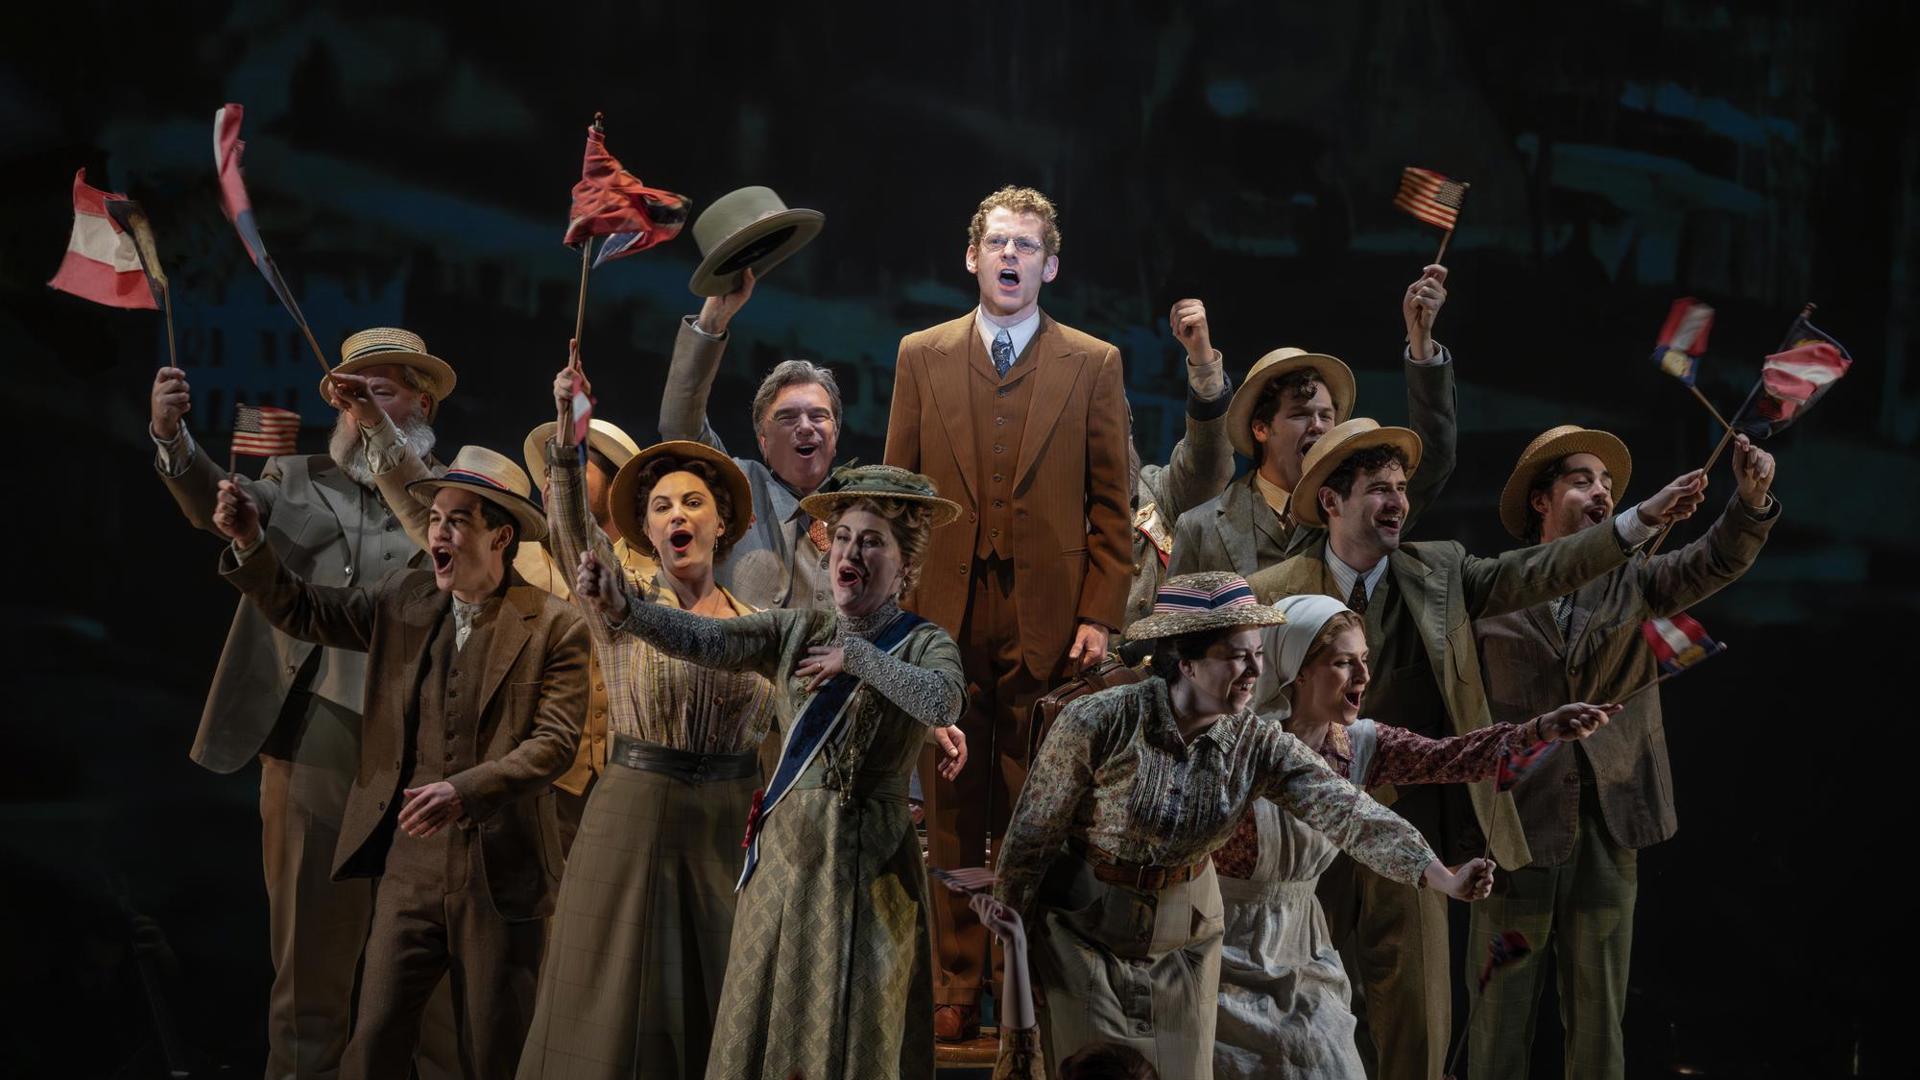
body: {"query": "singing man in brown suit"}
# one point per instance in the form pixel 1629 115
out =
pixel 1023 422
pixel 1586 810
pixel 476 682
pixel 1417 601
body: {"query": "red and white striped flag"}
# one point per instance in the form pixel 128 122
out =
pixel 1679 642
pixel 264 431
pixel 1430 197
pixel 102 263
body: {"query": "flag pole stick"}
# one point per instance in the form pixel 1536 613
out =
pixel 1716 412
pixel 166 299
pixel 1445 238
pixel 1656 681
pixel 1712 459
pixel 586 258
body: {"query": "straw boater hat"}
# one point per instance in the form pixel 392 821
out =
pixel 1278 363
pixel 386 345
pixel 1335 447
pixel 493 477
pixel 623 499
pixel 601 436
pixel 853 482
pixel 1192 603
pixel 1552 445
pixel 750 227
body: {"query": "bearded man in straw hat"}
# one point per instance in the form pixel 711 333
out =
pixel 1023 421
pixel 1417 600
pixel 1289 400
pixel 476 682
pixel 1578 893
pixel 293 706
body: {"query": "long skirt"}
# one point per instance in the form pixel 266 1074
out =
pixel 1133 966
pixel 631 982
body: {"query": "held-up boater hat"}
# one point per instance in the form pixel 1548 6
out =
pixel 1274 365
pixel 387 345
pixel 1192 603
pixel 750 227
pixel 602 436
pixel 493 477
pixel 850 483
pixel 623 498
pixel 1335 447
pixel 1552 445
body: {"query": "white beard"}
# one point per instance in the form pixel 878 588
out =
pixel 349 451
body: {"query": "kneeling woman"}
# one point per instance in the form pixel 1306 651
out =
pixel 829 975
pixel 631 982
pixel 1142 783
pixel 1284 997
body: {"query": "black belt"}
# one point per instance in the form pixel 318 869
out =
pixel 682 764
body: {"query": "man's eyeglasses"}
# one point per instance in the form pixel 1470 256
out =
pixel 994 243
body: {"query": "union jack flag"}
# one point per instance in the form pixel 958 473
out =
pixel 1430 197
pixel 264 431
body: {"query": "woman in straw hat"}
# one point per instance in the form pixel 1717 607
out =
pixel 1284 998
pixel 829 970
pixel 1142 783
pixel 631 984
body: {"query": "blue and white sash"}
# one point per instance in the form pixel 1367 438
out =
pixel 819 719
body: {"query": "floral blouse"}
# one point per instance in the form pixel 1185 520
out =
pixel 1399 757
pixel 1115 772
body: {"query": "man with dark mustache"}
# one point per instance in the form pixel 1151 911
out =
pixel 1023 421
pixel 291 705
pixel 1577 896
pixel 1417 601
pixel 1291 398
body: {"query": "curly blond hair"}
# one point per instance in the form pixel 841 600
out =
pixel 912 527
pixel 1020 200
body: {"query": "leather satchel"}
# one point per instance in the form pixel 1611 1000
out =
pixel 1107 673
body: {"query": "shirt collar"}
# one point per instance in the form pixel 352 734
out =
pixel 1161 730
pixel 1277 497
pixel 1343 574
pixel 1022 332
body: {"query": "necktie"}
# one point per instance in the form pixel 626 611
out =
pixel 462 623
pixel 1357 600
pixel 1002 352
pixel 817 532
pixel 1563 613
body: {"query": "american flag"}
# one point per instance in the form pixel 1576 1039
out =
pixel 1430 197
pixel 1679 642
pixel 264 431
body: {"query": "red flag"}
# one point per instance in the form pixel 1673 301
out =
pixel 102 263
pixel 1430 197
pixel 1506 947
pixel 264 431
pixel 1517 764
pixel 1678 642
pixel 610 201
pixel 227 148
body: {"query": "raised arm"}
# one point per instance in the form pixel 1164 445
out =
pixel 753 643
pixel 392 462
pixel 547 752
pixel 697 349
pixel 1431 395
pixel 192 476
pixel 1202 461
pixel 1680 579
pixel 569 519
pixel 341 617
pixel 1062 776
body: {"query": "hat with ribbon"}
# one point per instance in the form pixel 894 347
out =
pixel 748 228
pixel 1192 603
pixel 495 478
pixel 852 482
pixel 387 345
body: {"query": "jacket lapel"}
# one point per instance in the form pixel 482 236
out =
pixel 1540 618
pixel 1235 522
pixel 342 496
pixel 1058 369
pixel 510 634
pixel 947 377
pixel 1425 589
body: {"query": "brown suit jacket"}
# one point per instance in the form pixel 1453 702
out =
pixel 1445 589
pixel 533 692
pixel 1071 515
pixel 1530 668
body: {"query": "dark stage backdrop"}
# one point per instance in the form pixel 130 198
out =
pixel 413 170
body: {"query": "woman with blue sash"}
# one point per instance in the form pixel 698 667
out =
pixel 828 975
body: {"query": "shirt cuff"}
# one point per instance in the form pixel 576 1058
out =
pixel 1440 356
pixel 1631 530
pixel 1206 380
pixel 383 445
pixel 172 455
pixel 241 555
pixel 693 323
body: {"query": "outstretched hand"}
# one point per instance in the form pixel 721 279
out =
pixel 1470 881
pixel 1420 307
pixel 1572 722
pixel 172 399
pixel 597 584
pixel 353 394
pixel 1752 471
pixel 1677 501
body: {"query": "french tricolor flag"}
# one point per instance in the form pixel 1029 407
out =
pixel 102 263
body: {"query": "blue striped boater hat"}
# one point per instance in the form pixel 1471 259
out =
pixel 495 478
pixel 388 345
pixel 1191 603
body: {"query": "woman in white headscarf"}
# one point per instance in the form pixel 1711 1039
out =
pixel 1284 998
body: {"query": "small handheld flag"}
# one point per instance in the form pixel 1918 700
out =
pixel 610 201
pixel 264 431
pixel 227 148
pixel 1515 766
pixel 1507 947
pixel 103 261
pixel 1679 642
pixel 1431 197
pixel 1683 339
pixel 1809 362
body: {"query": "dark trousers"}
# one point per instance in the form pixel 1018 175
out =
pixel 434 922
pixel 962 814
